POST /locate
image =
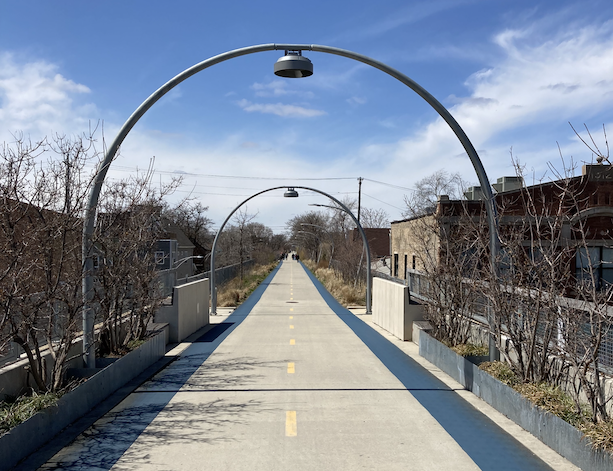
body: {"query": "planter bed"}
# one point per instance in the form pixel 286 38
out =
pixel 550 429
pixel 27 437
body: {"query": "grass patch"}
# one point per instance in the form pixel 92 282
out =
pixel 234 292
pixel 501 371
pixel 134 344
pixel 600 434
pixel 18 411
pixel 471 350
pixel 552 399
pixel 342 291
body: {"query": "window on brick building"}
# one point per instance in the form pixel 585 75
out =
pixel 600 259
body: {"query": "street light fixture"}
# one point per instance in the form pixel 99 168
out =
pixel 293 65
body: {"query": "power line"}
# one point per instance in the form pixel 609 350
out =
pixel 390 184
pixel 381 201
pixel 205 175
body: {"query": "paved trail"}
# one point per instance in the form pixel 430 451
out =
pixel 293 381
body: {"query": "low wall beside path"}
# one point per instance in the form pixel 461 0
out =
pixel 189 310
pixel 392 308
pixel 30 435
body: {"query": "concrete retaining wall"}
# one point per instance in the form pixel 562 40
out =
pixel 27 437
pixel 550 429
pixel 189 310
pixel 392 309
pixel 14 378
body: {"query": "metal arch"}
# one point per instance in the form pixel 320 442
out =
pixel 341 205
pixel 90 214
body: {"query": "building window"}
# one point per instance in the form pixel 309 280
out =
pixel 596 262
pixel 159 258
pixel 414 263
pixel 406 257
pixel 395 264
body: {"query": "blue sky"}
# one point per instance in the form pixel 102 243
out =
pixel 512 73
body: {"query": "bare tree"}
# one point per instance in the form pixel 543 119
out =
pixel 266 247
pixel 129 225
pixel 308 230
pixel 236 241
pixel 586 323
pixel 449 254
pixel 374 218
pixel 533 275
pixel 428 189
pixel 191 218
pixel 42 193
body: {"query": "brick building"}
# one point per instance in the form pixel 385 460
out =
pixel 582 202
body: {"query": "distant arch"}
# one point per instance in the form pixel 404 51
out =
pixel 341 205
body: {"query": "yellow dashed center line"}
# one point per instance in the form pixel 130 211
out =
pixel 291 368
pixel 292 341
pixel 291 308
pixel 291 317
pixel 291 326
pixel 291 425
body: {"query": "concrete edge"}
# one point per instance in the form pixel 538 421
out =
pixel 27 437
pixel 554 432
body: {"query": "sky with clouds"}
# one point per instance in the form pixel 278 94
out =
pixel 512 73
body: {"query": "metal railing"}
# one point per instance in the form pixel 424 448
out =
pixel 419 286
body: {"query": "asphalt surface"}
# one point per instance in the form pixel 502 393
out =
pixel 292 380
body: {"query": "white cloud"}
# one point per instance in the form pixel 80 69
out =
pixel 356 100
pixel 274 88
pixel 280 109
pixel 35 99
pixel 540 82
pixel 278 88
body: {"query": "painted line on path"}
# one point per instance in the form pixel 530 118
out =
pixel 291 424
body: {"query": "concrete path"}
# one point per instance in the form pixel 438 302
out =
pixel 291 380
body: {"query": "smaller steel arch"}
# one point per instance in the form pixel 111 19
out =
pixel 341 205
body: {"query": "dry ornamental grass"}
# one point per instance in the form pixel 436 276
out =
pixel 554 400
pixel 234 292
pixel 342 291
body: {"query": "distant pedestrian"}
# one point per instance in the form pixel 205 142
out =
pixel 297 258
pixel 293 257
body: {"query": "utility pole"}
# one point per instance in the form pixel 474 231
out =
pixel 359 196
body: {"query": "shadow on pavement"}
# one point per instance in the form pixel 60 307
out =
pixel 488 445
pixel 129 432
pixel 150 415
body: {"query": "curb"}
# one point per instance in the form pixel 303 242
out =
pixel 29 436
pixel 554 432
